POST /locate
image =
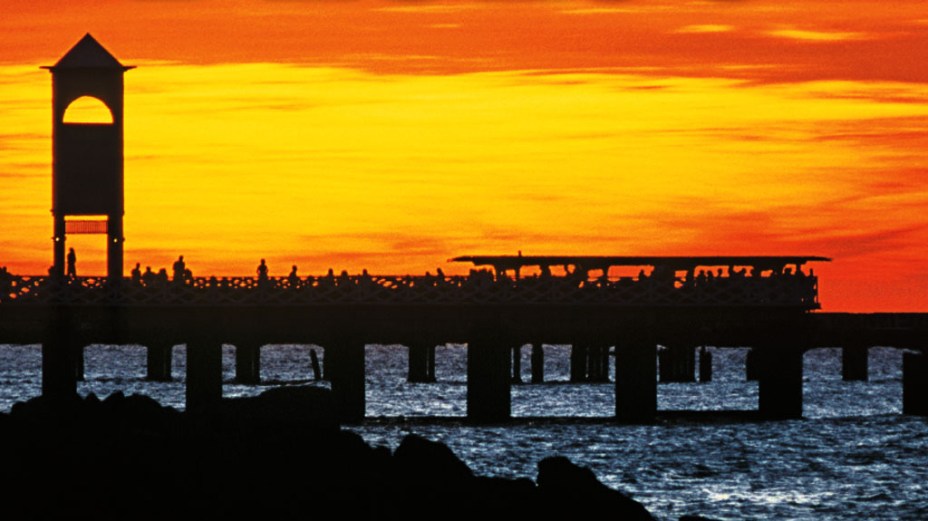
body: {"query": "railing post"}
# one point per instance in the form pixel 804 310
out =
pixel 517 364
pixel 248 363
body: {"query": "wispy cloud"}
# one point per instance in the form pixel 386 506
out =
pixel 818 36
pixel 706 28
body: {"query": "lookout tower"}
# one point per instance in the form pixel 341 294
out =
pixel 87 169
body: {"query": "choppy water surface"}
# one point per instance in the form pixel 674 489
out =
pixel 854 456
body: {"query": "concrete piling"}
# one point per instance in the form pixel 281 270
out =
pixel 159 362
pixel 204 375
pixel 635 381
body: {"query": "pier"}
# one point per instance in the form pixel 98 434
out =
pixel 654 325
pixel 650 313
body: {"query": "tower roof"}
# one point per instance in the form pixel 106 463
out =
pixel 88 54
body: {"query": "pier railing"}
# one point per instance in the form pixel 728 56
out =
pixel 482 289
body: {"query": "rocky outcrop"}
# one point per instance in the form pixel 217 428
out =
pixel 280 455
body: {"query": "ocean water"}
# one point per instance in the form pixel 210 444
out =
pixel 853 456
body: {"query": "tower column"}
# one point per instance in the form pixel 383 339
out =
pixel 114 248
pixel 58 247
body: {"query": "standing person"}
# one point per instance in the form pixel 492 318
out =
pixel 262 271
pixel 179 269
pixel 72 263
pixel 137 273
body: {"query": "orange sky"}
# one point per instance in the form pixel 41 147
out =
pixel 392 136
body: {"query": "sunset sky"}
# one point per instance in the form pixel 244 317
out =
pixel 394 135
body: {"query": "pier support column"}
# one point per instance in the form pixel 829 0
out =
pixel 418 363
pixel 247 363
pixel 58 352
pixel 317 369
pixel 915 384
pixel 780 382
pixel 516 364
pixel 538 363
pixel 678 364
pixel 489 398
pixel 159 363
pixel 204 375
pixel 79 362
pixel 705 365
pixel 598 363
pixel 579 354
pixel 751 366
pixel 855 363
pixel 636 381
pixel 347 374
pixel 421 363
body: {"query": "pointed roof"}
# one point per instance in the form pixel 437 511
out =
pixel 88 54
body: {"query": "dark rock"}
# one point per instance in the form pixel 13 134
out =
pixel 574 491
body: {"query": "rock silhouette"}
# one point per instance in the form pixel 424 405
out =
pixel 278 455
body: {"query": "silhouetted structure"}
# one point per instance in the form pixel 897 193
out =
pixel 87 180
pixel 680 303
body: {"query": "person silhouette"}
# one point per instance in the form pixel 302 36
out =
pixel 137 273
pixel 262 271
pixel 179 268
pixel 72 263
pixel 149 276
pixel 293 278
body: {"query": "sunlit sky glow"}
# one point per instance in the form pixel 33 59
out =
pixel 391 136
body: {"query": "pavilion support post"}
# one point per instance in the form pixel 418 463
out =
pixel 705 365
pixel 635 380
pixel 347 375
pixel 59 379
pixel 677 364
pixel 78 362
pixel 578 362
pixel 489 397
pixel 780 382
pixel 598 363
pixel 317 369
pixel 855 364
pixel 752 366
pixel 538 363
pixel 915 384
pixel 159 362
pixel 430 362
pixel 517 364
pixel 418 363
pixel 248 363
pixel 204 376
